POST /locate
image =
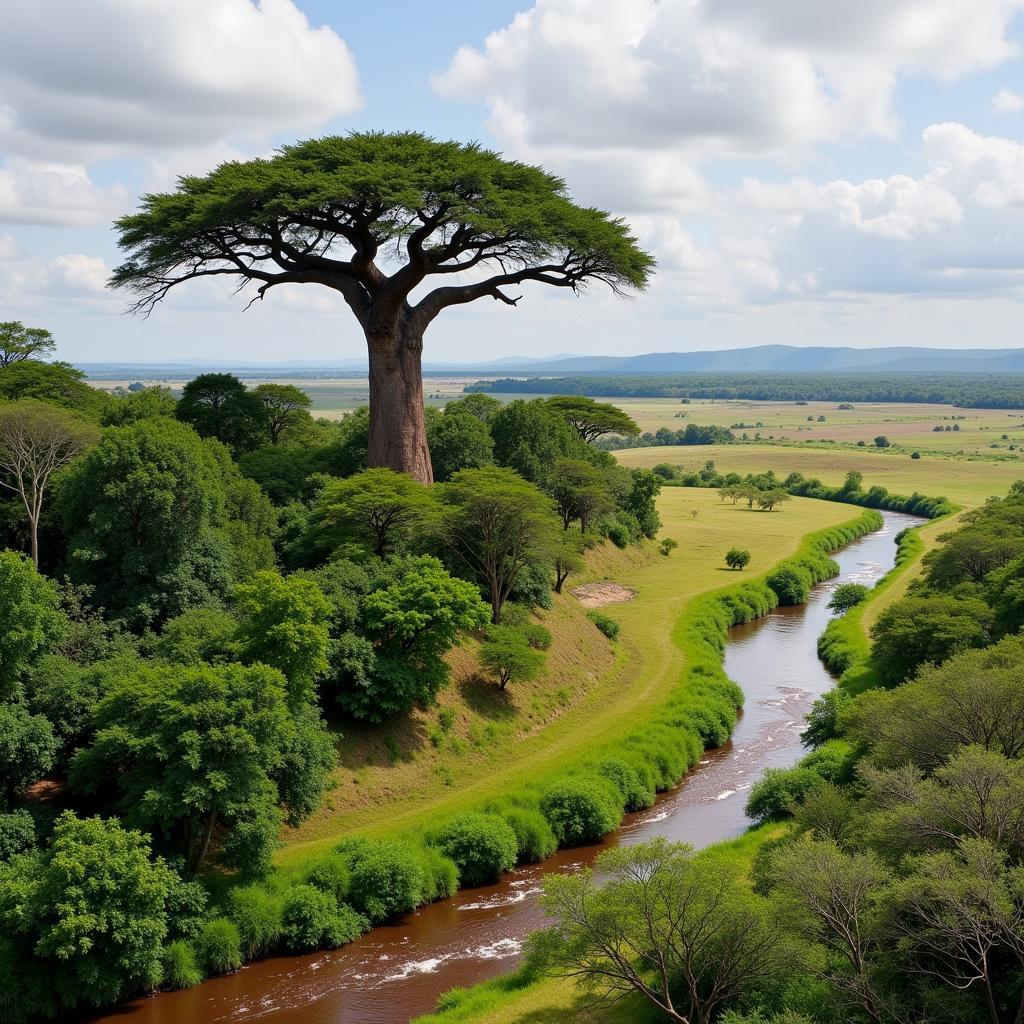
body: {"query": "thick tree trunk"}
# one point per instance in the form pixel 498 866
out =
pixel 398 433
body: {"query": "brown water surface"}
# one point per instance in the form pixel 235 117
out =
pixel 397 971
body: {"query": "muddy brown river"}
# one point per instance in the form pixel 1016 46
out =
pixel 397 971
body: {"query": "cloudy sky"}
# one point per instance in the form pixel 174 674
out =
pixel 805 171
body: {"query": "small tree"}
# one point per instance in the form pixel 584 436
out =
pixel 413 620
pixel 737 558
pixel 285 406
pixel 194 750
pixel 568 558
pixel 378 508
pixel 507 655
pixel 36 441
pixel 852 483
pixel 219 405
pixel 458 440
pixel 881 441
pixel 28 749
pixel 497 524
pixel 283 622
pixel 667 546
pixel 675 930
pixel 847 596
pixel 18 343
pixel 580 491
pixel 31 620
pixel 769 499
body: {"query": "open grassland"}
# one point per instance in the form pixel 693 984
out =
pixel 402 776
pixel 965 482
pixel 909 424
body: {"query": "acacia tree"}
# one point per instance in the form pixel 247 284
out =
pixel 593 419
pixel 37 440
pixel 18 342
pixel 375 216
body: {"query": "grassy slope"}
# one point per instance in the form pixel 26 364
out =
pixel 965 482
pixel 635 679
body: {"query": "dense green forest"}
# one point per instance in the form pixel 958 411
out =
pixel 196 595
pixel 967 390
pixel 896 893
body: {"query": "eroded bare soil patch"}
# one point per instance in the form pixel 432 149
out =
pixel 594 595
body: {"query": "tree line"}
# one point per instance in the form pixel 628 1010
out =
pixel 761 488
pixel 965 390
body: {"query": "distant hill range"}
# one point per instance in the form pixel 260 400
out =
pixel 759 359
pixel 781 359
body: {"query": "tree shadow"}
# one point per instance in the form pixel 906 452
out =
pixel 483 696
pixel 391 742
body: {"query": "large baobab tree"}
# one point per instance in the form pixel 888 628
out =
pixel 401 226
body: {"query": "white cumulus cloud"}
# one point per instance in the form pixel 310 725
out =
pixel 719 77
pixel 35 192
pixel 107 76
pixel 1006 101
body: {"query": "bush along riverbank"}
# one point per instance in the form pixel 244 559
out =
pixel 330 899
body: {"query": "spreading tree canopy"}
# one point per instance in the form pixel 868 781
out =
pixel 593 419
pixel 375 216
pixel 18 342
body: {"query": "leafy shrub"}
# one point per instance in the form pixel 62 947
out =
pixel 847 596
pixel 441 874
pixel 482 845
pixel 833 761
pixel 537 636
pixel 515 614
pixel 824 717
pixel 256 913
pixel 582 809
pixel 616 532
pixel 219 946
pixel 17 833
pixel 313 919
pixel 180 966
pixel 635 794
pixel 667 546
pixel 331 874
pixel 791 583
pixel 535 840
pixel 387 878
pixel 605 624
pixel 779 791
